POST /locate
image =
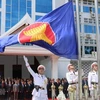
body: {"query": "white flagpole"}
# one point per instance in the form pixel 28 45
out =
pixel 79 52
pixel 98 41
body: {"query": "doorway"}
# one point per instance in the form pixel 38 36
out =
pixel 1 71
pixel 17 71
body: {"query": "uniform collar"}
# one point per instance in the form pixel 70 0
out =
pixel 94 71
pixel 71 71
pixel 40 75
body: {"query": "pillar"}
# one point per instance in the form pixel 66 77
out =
pixel 54 67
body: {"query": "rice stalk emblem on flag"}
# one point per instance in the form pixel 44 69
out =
pixel 38 31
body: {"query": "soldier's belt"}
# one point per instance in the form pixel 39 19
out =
pixel 73 83
pixel 94 83
pixel 37 87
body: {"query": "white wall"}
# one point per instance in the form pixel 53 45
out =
pixel 62 67
pixel 47 64
pixel 59 3
pixel 8 61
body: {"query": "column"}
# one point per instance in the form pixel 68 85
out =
pixel 82 30
pixel 33 9
pixel 54 67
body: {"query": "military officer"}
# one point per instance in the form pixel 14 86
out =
pixel 93 80
pixel 72 78
pixel 40 82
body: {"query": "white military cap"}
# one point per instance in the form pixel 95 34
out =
pixel 94 63
pixel 68 66
pixel 41 66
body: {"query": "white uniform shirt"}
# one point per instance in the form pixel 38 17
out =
pixel 72 77
pixel 39 80
pixel 92 77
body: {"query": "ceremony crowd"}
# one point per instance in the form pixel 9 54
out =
pixel 21 89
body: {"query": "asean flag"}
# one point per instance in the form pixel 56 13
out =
pixel 54 31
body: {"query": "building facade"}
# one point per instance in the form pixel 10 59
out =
pixel 12 11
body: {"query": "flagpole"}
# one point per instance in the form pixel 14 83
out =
pixel 79 52
pixel 98 42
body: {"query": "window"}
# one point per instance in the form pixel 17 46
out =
pixel 74 7
pixel 22 9
pixel 28 3
pixel 29 11
pixel 15 10
pixel 89 49
pixel 2 71
pixel 0 3
pixel 89 29
pixel 44 6
pixel 7 29
pixel 17 71
pixel 86 41
pixel 8 23
pixel 93 10
pixel 86 9
pixel 8 9
pixel 8 16
pixel 90 41
pixel 0 21
pixel 37 17
pixel 14 22
pixel 8 2
pixel 99 10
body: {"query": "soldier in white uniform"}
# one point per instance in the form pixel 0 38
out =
pixel 72 78
pixel 93 80
pixel 40 82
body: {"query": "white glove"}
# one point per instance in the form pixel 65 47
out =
pixel 26 61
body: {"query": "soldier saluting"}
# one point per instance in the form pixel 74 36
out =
pixel 40 82
pixel 72 78
pixel 93 80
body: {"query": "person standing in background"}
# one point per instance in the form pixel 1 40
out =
pixel 16 90
pixel 93 80
pixel 72 78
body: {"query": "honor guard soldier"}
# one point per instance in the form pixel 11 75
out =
pixel 93 80
pixel 72 78
pixel 40 82
pixel 61 95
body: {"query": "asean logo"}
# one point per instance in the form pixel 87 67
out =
pixel 36 32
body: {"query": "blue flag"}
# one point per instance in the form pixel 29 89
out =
pixel 54 31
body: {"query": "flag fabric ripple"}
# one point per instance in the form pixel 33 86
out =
pixel 54 31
